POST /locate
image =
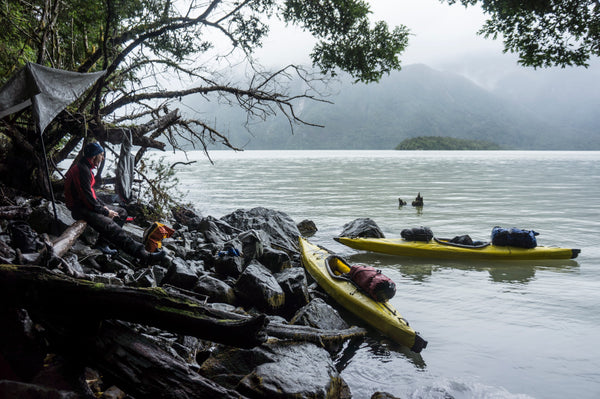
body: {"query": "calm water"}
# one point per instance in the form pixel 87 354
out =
pixel 495 330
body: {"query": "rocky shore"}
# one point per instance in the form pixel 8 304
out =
pixel 231 313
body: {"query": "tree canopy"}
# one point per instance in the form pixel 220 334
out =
pixel 157 52
pixel 544 33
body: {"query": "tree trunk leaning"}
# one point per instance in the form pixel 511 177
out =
pixel 42 290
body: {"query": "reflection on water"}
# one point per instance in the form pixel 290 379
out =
pixel 495 329
pixel 419 269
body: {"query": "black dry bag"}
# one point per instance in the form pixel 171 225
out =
pixel 514 237
pixel 417 234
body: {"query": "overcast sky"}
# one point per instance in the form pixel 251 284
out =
pixel 441 34
pixel 443 37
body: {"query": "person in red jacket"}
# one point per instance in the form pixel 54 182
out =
pixel 83 203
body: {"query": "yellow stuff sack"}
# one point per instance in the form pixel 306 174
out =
pixel 154 234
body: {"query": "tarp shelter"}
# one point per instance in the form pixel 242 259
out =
pixel 48 90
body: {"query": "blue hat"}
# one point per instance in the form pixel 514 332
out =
pixel 92 149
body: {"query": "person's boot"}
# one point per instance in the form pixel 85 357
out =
pixel 150 258
pixel 102 245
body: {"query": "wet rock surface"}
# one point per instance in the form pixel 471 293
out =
pixel 239 267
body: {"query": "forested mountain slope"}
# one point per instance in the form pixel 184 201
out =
pixel 420 101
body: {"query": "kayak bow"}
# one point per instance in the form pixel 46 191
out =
pixel 322 266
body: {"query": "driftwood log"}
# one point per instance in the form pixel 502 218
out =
pixel 300 332
pixel 39 289
pixel 66 240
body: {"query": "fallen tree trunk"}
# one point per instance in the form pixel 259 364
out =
pixel 51 293
pixel 66 240
pixel 309 334
pixel 300 332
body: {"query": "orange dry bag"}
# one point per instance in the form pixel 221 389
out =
pixel 154 235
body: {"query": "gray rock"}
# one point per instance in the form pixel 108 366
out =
pixel 307 228
pixel 71 266
pixel 253 243
pixel 258 287
pixel 294 370
pixel 274 259
pixel 216 231
pixel 183 274
pixel 319 314
pixel 215 289
pixel 295 287
pixel 186 217
pixel 42 217
pixel 143 278
pixel 226 265
pixel 279 226
pixel 275 370
pixel 362 227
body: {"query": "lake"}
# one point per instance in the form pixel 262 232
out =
pixel 495 330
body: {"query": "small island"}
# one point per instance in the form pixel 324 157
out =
pixel 445 143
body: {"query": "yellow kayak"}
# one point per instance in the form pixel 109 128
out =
pixel 328 269
pixel 442 248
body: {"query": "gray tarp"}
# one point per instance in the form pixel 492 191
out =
pixel 49 90
pixel 125 168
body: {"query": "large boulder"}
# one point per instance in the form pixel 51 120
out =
pixel 319 314
pixel 307 228
pixel 276 370
pixel 42 218
pixel 275 260
pixel 216 231
pixel 362 227
pixel 295 287
pixel 228 265
pixel 183 274
pixel 279 226
pixel 215 289
pixel 258 287
pixel 253 243
pixel 295 370
pixel 187 217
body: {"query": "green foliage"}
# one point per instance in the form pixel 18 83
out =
pixel 156 52
pixel 61 34
pixel 445 143
pixel 347 40
pixel 544 32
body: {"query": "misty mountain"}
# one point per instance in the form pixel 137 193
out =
pixel 520 113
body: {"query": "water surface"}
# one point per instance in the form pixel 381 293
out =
pixel 495 330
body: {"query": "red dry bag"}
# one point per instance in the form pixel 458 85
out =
pixel 373 282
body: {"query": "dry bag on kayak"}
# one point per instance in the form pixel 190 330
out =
pixel 514 237
pixel 417 234
pixel 373 282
